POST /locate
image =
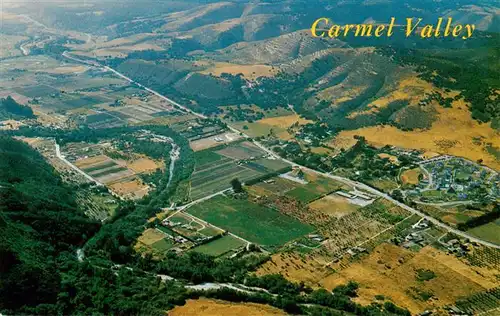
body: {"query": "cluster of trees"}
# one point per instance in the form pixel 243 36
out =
pixel 10 109
pixel 243 114
pixel 361 158
pixel 379 211
pixel 292 151
pixel 365 159
pixel 40 222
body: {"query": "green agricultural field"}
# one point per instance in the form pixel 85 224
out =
pixel 104 201
pixel 490 231
pixel 100 166
pixel 251 221
pixel 278 185
pixel 256 129
pixel 163 245
pixel 241 150
pixel 304 194
pixel 181 218
pixel 205 157
pixel 210 231
pixel 314 190
pixel 216 167
pixel 219 181
pixel 220 246
pixel 273 165
pixel 109 171
pixel 36 91
pixel 83 82
pixel 86 101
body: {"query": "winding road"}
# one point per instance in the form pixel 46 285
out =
pixel 350 182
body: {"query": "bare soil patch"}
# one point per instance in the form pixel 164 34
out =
pixel 333 205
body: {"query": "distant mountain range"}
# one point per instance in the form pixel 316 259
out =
pixel 247 20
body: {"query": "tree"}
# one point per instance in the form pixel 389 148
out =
pixel 397 195
pixel 237 187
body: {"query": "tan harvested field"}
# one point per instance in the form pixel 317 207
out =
pixel 133 188
pixel 245 150
pixel 144 165
pixel 32 141
pixel 391 271
pixel 210 307
pixel 125 40
pixel 67 70
pixel 296 268
pixel 168 120
pixel 277 125
pixel 279 186
pixel 119 51
pixel 9 42
pixel 10 125
pixel 114 177
pixel 284 121
pixel 256 129
pixel 429 155
pixel 88 162
pixel 321 150
pixel 483 276
pixel 14 95
pixel 393 159
pixel 150 236
pixel 453 133
pixel 341 142
pixel 248 71
pixel 411 176
pixel 450 219
pixel 161 216
pixel 209 142
pixel 333 205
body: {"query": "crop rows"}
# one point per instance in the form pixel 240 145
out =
pixel 484 256
pixel 480 302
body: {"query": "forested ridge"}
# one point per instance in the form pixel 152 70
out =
pixel 10 109
pixel 40 223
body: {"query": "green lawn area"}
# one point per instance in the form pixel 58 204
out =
pixel 255 129
pixel 210 231
pixel 489 232
pixel 205 157
pixel 103 202
pixel 385 185
pixel 431 193
pixel 314 190
pixel 220 246
pixel 162 245
pixel 248 220
pixel 304 194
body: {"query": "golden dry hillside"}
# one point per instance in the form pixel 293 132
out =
pixel 392 271
pixel 454 132
pixel 209 307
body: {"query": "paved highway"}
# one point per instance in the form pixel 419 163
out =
pixel 350 182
